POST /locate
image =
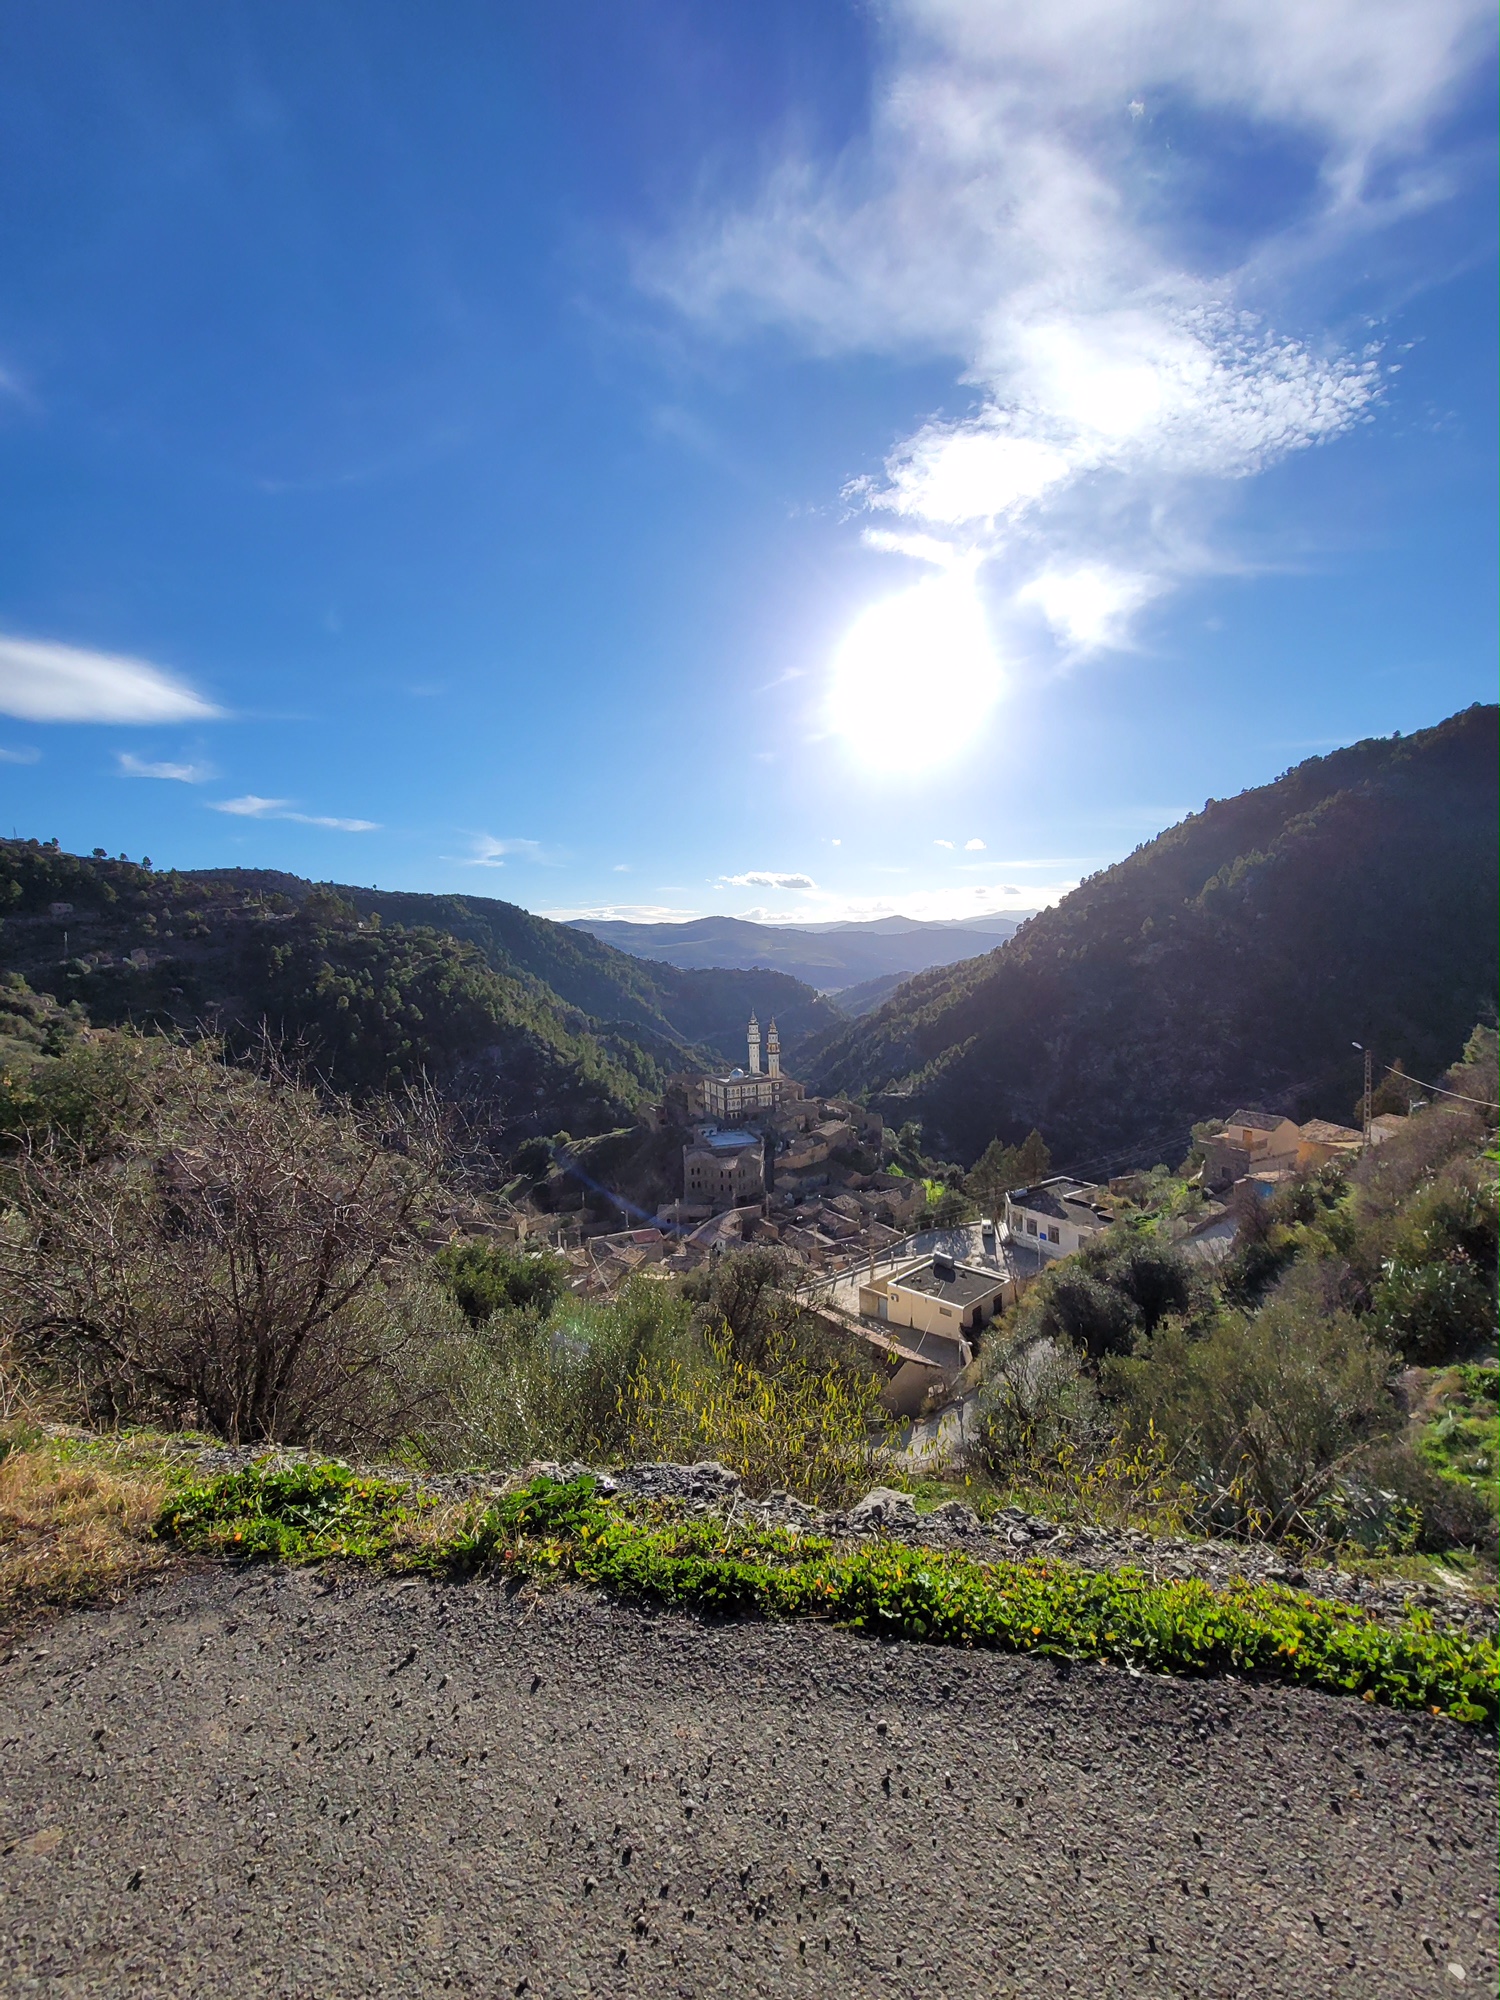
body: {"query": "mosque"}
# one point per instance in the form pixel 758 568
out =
pixel 743 1092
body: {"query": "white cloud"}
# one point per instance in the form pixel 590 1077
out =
pixel 973 847
pixel 762 878
pixel 184 774
pixel 252 806
pixel 26 755
pixel 942 843
pixel 488 852
pixel 1089 607
pixel 44 682
pixel 1016 205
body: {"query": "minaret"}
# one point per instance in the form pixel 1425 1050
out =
pixel 754 1046
pixel 773 1049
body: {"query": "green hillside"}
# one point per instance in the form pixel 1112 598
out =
pixel 544 1026
pixel 1233 959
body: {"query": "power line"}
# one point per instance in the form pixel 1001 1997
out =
pixel 1438 1090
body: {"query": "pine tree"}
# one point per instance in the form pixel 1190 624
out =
pixel 1034 1162
pixel 997 1169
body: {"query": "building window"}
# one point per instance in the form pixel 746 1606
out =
pixel 1030 1227
pixel 1054 1236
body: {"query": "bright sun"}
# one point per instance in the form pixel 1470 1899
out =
pixel 915 674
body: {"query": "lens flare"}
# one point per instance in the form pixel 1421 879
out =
pixel 915 675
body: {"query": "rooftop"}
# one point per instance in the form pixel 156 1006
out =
pixel 964 1288
pixel 727 1142
pixel 1324 1133
pixel 1258 1121
pixel 1061 1198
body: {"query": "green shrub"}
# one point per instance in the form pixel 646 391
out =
pixel 780 1426
pixel 524 1387
pixel 1266 1411
pixel 1035 1404
pixel 486 1278
pixel 1444 1513
pixel 1118 1287
pixel 1433 1313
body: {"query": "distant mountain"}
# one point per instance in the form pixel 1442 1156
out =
pixel 1232 960
pixel 827 956
pixel 869 994
pixel 535 1026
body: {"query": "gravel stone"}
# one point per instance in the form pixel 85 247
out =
pixel 884 1508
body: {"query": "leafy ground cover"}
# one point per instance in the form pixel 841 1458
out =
pixel 573 1532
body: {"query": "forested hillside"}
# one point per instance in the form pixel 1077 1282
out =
pixel 546 1027
pixel 1233 959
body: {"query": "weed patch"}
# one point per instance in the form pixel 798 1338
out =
pixel 73 1527
pixel 573 1532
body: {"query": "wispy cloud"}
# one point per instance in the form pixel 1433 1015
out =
pixel 1031 199
pixel 787 675
pixel 41 681
pixel 625 913
pixel 252 806
pixel 25 755
pixel 488 852
pixel 942 843
pixel 765 878
pixel 132 766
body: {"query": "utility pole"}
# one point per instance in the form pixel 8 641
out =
pixel 1369 1080
pixel 1369 1068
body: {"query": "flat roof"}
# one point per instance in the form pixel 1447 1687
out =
pixel 727 1142
pixel 964 1288
pixel 1066 1203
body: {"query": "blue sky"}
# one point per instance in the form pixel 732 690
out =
pixel 795 461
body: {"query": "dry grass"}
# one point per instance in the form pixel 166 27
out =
pixel 73 1529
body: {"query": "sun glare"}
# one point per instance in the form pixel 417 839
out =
pixel 915 674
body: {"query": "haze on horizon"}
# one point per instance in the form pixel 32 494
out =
pixel 797 464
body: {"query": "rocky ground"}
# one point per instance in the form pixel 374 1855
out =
pixel 300 1783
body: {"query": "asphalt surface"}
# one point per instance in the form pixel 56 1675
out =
pixel 271 1784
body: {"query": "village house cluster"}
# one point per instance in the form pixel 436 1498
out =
pixel 764 1162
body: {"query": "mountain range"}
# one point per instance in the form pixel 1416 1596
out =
pixel 1232 960
pixel 828 956
pixel 535 1027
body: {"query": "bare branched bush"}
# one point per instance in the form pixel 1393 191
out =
pixel 222 1261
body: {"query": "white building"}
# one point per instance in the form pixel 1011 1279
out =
pixel 1056 1216
pixel 936 1295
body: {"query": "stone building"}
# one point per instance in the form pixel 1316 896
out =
pixel 723 1169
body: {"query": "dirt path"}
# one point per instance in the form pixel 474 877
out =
pixel 266 1784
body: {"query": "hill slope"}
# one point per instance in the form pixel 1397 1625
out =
pixel 828 956
pixel 1233 959
pixel 541 1027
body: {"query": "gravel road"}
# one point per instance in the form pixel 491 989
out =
pixel 270 1783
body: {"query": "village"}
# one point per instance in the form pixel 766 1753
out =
pixel 766 1163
